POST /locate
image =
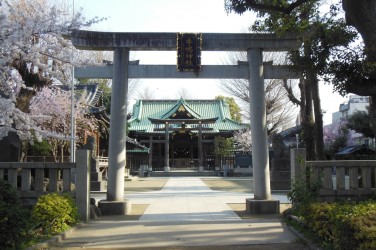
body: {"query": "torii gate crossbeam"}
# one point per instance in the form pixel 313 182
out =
pixel 255 70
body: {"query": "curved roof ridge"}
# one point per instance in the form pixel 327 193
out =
pixel 181 102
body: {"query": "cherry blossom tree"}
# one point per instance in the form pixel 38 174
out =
pixel 50 108
pixel 243 140
pixel 336 136
pixel 33 54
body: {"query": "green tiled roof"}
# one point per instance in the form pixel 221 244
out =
pixel 198 109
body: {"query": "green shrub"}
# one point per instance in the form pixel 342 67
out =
pixel 55 212
pixel 303 192
pixel 344 225
pixel 318 220
pixel 14 219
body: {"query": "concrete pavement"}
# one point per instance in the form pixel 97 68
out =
pixel 185 213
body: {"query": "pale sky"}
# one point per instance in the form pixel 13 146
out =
pixel 180 16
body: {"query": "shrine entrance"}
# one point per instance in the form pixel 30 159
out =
pixel 189 47
pixel 183 151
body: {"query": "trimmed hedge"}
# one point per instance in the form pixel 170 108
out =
pixel 343 225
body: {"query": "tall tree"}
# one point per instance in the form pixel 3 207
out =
pixel 234 107
pixel 336 137
pixel 360 77
pixel 279 111
pixel 319 35
pixel 51 109
pixel 360 122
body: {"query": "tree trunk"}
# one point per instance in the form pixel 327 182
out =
pixel 319 135
pixel 62 153
pixel 307 123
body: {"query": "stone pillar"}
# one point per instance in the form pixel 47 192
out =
pixel 200 154
pixel 83 183
pixel 115 203
pixel 167 148
pixel 260 152
pixel 118 125
pixel 297 161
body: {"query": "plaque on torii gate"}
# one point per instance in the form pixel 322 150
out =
pixel 188 51
pixel 255 70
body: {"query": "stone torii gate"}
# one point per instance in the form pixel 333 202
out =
pixel 122 69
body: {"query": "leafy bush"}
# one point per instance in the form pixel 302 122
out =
pixel 14 219
pixel 55 212
pixel 344 225
pixel 303 192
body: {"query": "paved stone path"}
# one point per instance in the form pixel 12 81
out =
pixel 184 213
pixel 187 199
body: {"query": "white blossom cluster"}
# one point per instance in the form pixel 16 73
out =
pixel 32 34
pixel 50 108
pixel 243 140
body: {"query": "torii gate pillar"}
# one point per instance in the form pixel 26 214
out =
pixel 115 203
pixel 262 203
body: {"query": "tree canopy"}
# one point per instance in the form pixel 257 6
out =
pixel 360 122
pixel 325 36
pixel 234 107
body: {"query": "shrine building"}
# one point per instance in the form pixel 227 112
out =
pixel 181 133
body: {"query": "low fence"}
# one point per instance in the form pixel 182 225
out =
pixel 33 179
pixel 341 179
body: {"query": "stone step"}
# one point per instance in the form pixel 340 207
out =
pixel 182 173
